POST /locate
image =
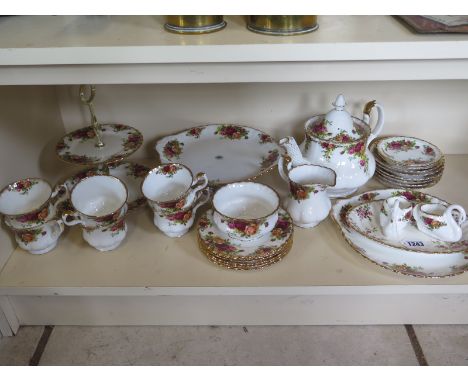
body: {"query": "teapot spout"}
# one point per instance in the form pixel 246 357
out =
pixel 289 145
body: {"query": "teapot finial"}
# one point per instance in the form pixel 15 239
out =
pixel 340 102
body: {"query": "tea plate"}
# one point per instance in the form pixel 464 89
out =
pixel 79 146
pixel 404 261
pixel 408 151
pixel 364 219
pixel 226 153
pixel 217 244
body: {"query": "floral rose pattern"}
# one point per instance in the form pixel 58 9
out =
pixel 270 159
pixel 137 170
pixel 413 196
pixel 173 149
pixel 220 245
pixel 265 138
pixel 401 145
pixel 169 170
pixel 232 132
pixel 34 218
pixel 108 219
pixel 300 192
pixel 364 212
pixel 180 217
pixel 405 268
pixel 23 186
pixel 368 196
pixel 320 130
pixel 79 159
pixel 433 224
pixel 194 132
pixel 82 134
pixel 282 228
pixel 244 228
pixel 29 236
pixel 429 151
pixel 132 141
pixel 358 151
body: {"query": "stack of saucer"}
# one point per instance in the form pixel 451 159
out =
pixel 407 162
pixel 227 253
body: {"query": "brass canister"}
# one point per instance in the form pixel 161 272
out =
pixel 282 25
pixel 194 24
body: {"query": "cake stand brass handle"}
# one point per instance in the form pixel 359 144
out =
pixel 89 101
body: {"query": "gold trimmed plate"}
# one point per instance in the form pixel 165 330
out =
pixel 79 146
pixel 269 249
pixel 225 152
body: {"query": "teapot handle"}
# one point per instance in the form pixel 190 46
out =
pixel 281 171
pixel 375 132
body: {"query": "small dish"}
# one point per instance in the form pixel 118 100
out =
pixel 408 151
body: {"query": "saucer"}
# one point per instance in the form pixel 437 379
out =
pixel 78 147
pixel 408 151
pixel 220 249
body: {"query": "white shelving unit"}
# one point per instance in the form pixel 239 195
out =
pixel 165 82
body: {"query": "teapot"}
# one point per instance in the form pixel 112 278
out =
pixel 340 142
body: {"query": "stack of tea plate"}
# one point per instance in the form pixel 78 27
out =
pixel 227 253
pixel 407 162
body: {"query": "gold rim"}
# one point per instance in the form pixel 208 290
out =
pixel 101 216
pixel 253 219
pixel 389 245
pixel 117 158
pixel 316 165
pixel 220 184
pixel 34 210
pixel 186 192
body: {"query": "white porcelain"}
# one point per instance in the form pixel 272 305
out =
pixel 99 203
pixel 419 258
pixel 245 211
pixel 437 220
pixel 226 153
pixel 106 237
pixel 172 186
pixel 332 143
pixel 219 244
pixel 41 239
pixel 395 215
pixel 408 152
pixel 176 223
pixel 307 201
pixel 79 146
pixel 29 203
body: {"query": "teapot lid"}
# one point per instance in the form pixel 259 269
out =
pixel 337 125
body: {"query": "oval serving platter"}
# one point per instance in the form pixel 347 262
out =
pixel 225 152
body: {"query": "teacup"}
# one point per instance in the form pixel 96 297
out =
pixel 100 201
pixel 437 220
pixel 172 185
pixel 175 222
pixel 395 215
pixel 106 237
pixel 29 203
pixel 41 239
pixel 245 211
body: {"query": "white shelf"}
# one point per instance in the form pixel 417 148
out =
pixel 150 263
pixel 136 49
pixel 155 280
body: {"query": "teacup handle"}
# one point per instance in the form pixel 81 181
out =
pixel 460 210
pixel 56 199
pixel 200 182
pixel 71 218
pixel 204 197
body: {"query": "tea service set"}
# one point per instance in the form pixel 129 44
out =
pixel 248 226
